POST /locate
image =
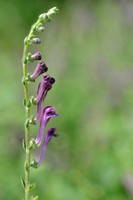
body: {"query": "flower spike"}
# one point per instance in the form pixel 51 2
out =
pixel 50 133
pixel 47 113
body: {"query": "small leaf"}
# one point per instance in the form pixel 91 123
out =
pixel 27 123
pixel 24 101
pixel 24 144
pixel 23 182
pixel 32 186
pixel 26 166
pixel 29 104
pixel 35 198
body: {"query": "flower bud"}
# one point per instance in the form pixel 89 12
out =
pixel 40 69
pixel 36 41
pixel 36 56
pixel 52 11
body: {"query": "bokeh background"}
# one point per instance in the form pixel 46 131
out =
pixel 88 48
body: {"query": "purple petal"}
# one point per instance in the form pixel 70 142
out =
pixel 47 87
pixel 40 69
pixel 47 113
pixel 50 133
pixel 37 56
pixel 42 86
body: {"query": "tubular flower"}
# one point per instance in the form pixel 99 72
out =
pixel 47 113
pixel 42 86
pixel 50 133
pixel 40 69
pixel 48 86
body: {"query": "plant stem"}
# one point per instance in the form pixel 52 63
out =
pixel 27 164
pixel 27 136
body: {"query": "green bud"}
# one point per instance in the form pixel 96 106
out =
pixel 23 182
pixel 52 11
pixel 33 164
pixel 32 186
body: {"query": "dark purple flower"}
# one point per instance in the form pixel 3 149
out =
pixel 40 69
pixel 47 87
pixel 36 56
pixel 50 133
pixel 42 86
pixel 36 41
pixel 47 113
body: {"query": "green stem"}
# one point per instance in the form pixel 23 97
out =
pixel 43 17
pixel 27 135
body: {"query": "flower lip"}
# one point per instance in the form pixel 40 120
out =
pixel 50 133
pixel 47 113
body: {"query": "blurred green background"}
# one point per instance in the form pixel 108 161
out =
pixel 88 48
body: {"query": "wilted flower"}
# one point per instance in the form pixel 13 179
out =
pixel 40 69
pixel 50 133
pixel 47 113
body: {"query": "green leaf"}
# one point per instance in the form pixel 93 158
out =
pixel 32 186
pixel 23 182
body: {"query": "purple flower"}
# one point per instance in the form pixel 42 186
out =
pixel 47 113
pixel 42 86
pixel 50 133
pixel 40 69
pixel 37 56
pixel 46 87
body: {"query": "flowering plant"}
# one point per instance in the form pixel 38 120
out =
pixel 43 114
